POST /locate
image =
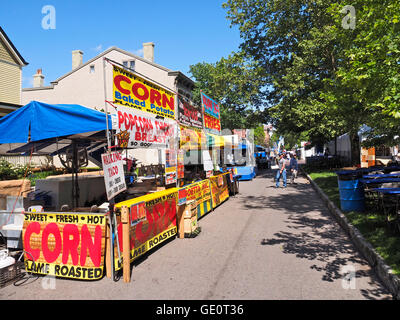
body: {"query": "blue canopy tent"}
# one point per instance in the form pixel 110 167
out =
pixel 52 129
pixel 39 121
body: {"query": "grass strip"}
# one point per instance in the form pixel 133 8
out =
pixel 384 237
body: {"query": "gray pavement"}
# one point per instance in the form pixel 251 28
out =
pixel 265 243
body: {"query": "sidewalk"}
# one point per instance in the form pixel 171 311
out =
pixel 265 243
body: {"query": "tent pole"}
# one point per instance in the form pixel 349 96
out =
pixel 114 232
pixel 105 103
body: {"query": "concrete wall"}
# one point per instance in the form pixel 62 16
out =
pixel 60 189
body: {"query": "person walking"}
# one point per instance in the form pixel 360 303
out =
pixel 294 167
pixel 281 172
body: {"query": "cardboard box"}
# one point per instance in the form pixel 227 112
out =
pixel 190 224
pixel 190 217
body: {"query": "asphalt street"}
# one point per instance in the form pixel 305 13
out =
pixel 264 243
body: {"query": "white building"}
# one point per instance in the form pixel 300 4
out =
pixel 85 83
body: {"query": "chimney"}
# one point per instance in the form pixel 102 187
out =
pixel 38 79
pixel 148 51
pixel 77 58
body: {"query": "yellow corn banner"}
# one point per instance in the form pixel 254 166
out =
pixel 68 245
pixel 135 92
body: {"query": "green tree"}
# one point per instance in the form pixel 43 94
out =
pixel 372 65
pixel 322 77
pixel 235 83
pixel 259 135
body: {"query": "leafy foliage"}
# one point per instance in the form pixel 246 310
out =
pixel 10 172
pixel 323 79
pixel 259 135
pixel 235 83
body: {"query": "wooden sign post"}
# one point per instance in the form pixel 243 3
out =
pixel 126 244
pixel 180 220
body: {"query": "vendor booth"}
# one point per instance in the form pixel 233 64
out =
pixel 133 208
pixel 57 129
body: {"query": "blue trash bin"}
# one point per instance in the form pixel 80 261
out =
pixel 351 191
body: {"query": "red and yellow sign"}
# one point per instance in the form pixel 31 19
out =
pixel 69 245
pixel 191 139
pixel 201 193
pixel 158 226
pixel 219 188
pixel 181 164
pixel 212 124
pixel 135 92
pixel 134 131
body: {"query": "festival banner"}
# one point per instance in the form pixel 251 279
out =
pixel 207 161
pixel 135 131
pixel 114 177
pixel 158 226
pixel 189 115
pixel 210 107
pixel 181 164
pixel 201 193
pixel 68 245
pixel 170 166
pixel 219 188
pixel 135 92
pixel 182 196
pixel 211 124
pixel 192 139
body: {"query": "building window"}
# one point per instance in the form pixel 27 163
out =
pixel 91 69
pixel 130 64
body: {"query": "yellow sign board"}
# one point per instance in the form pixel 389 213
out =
pixel 135 92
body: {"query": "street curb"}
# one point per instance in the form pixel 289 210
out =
pixel 378 265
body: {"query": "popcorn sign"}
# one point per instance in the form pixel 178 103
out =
pixel 114 177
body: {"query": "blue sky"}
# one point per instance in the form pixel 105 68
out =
pixel 184 32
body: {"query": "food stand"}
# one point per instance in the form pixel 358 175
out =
pixel 51 239
pixel 87 245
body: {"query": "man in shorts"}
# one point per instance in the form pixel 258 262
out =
pixel 281 170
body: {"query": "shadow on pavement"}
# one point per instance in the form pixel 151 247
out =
pixel 315 236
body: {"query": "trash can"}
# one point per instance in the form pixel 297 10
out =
pixel 351 190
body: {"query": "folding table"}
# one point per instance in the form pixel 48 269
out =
pixel 390 200
pixel 382 175
pixel 371 184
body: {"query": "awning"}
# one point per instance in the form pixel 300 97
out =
pixel 231 140
pixel 192 139
pixel 215 141
pixel 39 121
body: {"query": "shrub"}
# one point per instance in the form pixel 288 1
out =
pixel 10 172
